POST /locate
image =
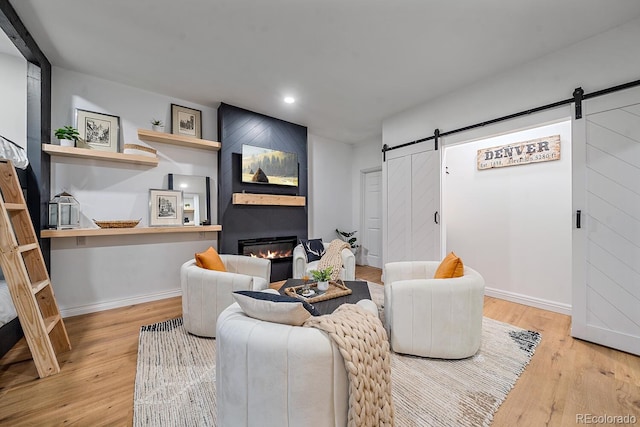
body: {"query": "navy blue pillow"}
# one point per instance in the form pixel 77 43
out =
pixel 267 296
pixel 314 249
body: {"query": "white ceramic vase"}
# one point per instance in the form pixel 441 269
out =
pixel 157 128
pixel 323 286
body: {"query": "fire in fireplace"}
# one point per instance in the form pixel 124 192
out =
pixel 273 248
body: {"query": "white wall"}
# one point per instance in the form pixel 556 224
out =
pixel 13 108
pixel 514 223
pixel 330 193
pixel 605 60
pixel 94 273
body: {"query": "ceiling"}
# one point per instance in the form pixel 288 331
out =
pixel 349 63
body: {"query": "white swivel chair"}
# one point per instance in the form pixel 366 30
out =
pixel 206 293
pixel 300 265
pixel 438 318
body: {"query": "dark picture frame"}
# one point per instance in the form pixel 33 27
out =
pixel 165 208
pixel 186 121
pixel 99 130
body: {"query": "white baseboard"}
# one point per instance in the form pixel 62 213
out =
pixel 554 306
pixel 102 306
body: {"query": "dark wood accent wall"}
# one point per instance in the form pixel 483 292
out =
pixel 237 126
pixel 38 119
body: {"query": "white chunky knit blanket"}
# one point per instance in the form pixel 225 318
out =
pixel 363 343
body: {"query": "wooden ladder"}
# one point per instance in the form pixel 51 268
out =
pixel 27 277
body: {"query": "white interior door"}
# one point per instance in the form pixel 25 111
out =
pixel 371 249
pixel 412 200
pixel 606 251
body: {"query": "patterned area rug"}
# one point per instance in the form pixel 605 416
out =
pixel 175 378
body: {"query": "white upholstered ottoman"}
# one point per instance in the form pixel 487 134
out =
pixel 275 375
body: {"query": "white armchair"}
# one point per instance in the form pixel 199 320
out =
pixel 206 293
pixel 300 265
pixel 439 318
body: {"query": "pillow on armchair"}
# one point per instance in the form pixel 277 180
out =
pixel 313 249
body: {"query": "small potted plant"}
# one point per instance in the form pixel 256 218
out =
pixel 322 277
pixel 350 238
pixel 68 136
pixel 157 125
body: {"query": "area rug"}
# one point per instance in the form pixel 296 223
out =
pixel 175 378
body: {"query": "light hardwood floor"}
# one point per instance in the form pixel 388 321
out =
pixel 566 377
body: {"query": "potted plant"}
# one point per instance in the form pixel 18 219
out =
pixel 350 238
pixel 157 125
pixel 322 277
pixel 68 136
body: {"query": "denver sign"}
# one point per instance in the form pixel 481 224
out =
pixel 520 153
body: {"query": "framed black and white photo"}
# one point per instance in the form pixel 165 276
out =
pixel 186 121
pixel 165 208
pixel 100 131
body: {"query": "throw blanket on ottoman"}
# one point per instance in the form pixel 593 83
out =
pixel 363 343
pixel 332 258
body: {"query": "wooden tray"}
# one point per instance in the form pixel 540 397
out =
pixel 336 289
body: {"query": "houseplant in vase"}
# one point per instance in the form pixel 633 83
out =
pixel 350 238
pixel 157 125
pixel 68 136
pixel 322 277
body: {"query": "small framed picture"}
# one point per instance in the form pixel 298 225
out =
pixel 100 131
pixel 165 208
pixel 186 121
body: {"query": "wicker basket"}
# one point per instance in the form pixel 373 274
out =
pixel 127 223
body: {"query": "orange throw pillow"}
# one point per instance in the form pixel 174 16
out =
pixel 210 260
pixel 451 266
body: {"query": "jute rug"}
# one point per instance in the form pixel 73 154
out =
pixel 175 378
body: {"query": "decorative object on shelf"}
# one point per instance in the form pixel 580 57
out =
pixel 68 135
pixel 197 193
pixel 350 238
pixel 100 131
pixel 157 125
pixel 165 208
pixel 322 277
pixel 64 212
pixel 186 121
pixel 127 223
pixel 140 150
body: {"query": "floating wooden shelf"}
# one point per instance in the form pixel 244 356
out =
pixel 184 141
pixel 79 232
pixel 268 199
pixel 57 150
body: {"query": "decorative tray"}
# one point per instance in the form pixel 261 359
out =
pixel 336 289
pixel 117 223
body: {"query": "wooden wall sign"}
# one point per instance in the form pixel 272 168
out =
pixel 520 153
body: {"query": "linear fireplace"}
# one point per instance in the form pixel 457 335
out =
pixel 278 249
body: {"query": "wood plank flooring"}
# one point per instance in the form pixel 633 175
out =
pixel 566 377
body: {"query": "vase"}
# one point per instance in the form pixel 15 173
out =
pixel 67 143
pixel 157 128
pixel 323 286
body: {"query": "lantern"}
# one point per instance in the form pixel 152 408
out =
pixel 64 212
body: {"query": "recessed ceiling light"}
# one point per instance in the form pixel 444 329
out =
pixel 289 99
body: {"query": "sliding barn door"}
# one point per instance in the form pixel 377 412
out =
pixel 413 200
pixel 606 181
